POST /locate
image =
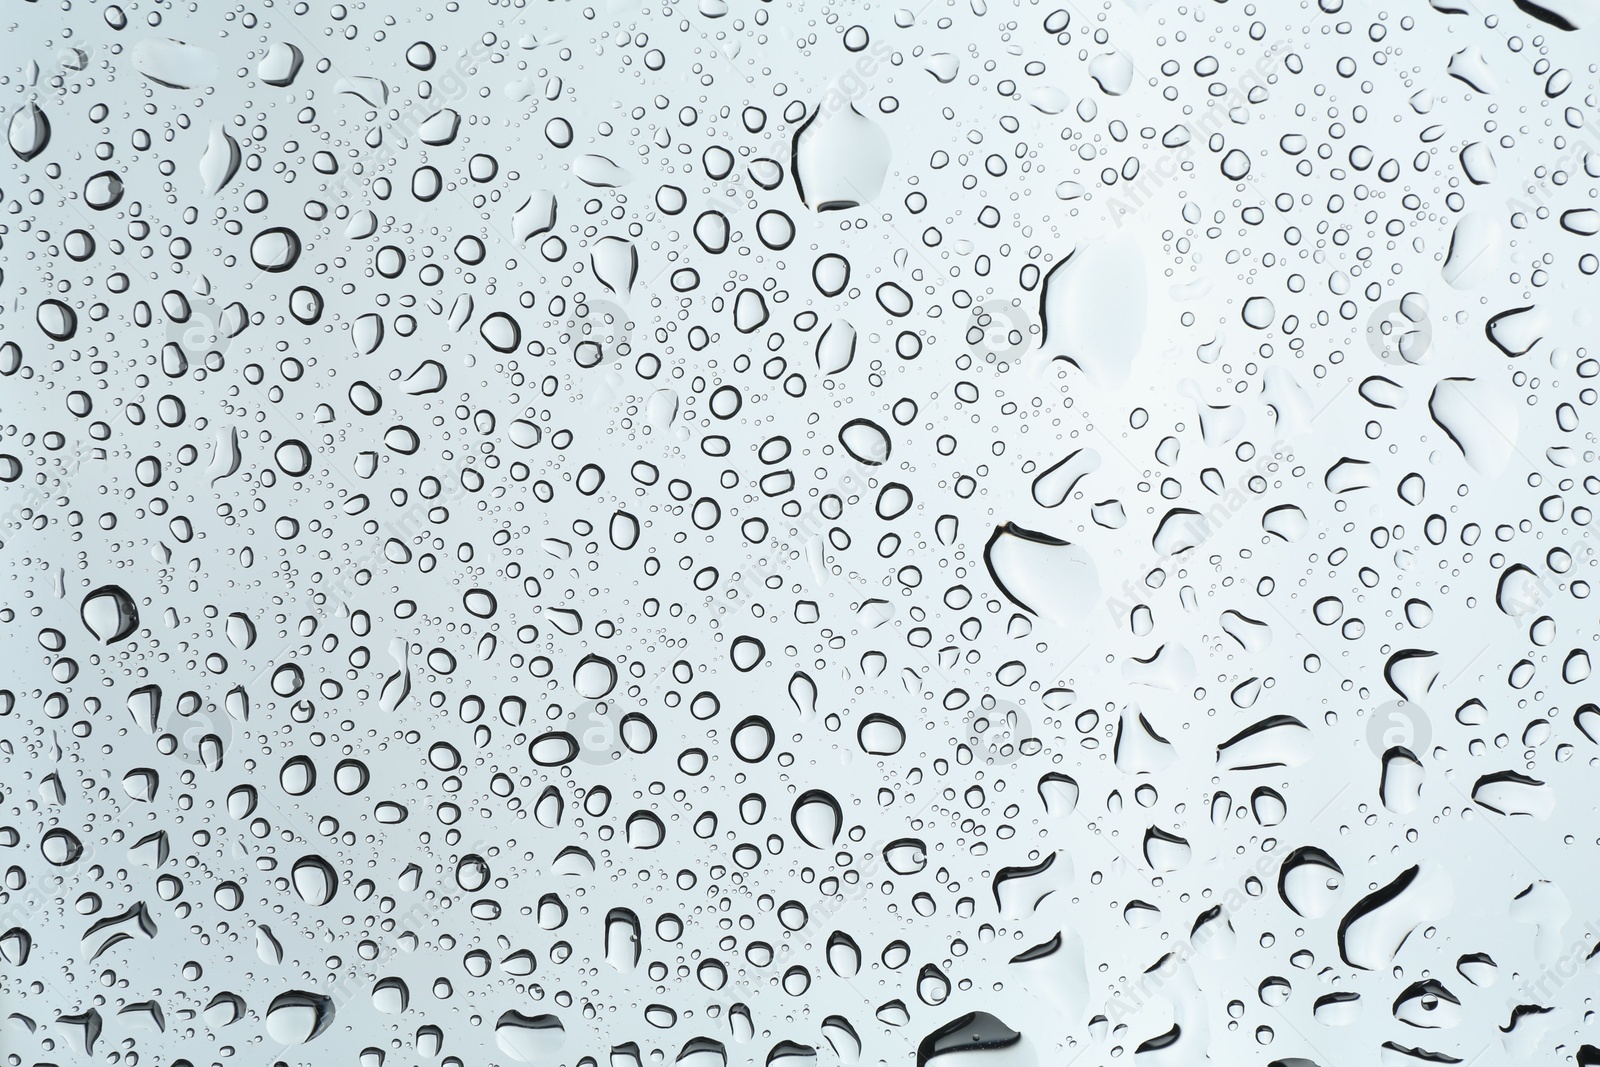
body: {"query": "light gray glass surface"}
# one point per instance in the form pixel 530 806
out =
pixel 798 534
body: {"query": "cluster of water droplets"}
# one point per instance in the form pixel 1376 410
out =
pixel 798 534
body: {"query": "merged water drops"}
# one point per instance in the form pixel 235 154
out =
pixel 110 614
